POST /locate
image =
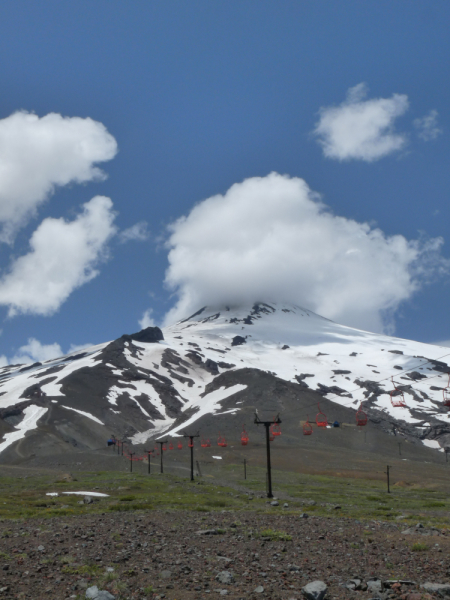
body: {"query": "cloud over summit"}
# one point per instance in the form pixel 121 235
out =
pixel 271 238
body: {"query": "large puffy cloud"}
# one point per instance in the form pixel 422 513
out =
pixel 270 238
pixel 63 256
pixel 361 129
pixel 38 154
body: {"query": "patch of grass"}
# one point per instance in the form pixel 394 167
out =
pixel 4 556
pixel 92 570
pixel 275 536
pixel 129 498
pixel 419 547
pixel 435 504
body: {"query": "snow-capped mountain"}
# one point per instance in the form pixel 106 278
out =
pixel 217 363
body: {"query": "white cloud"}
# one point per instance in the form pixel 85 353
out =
pixel 270 238
pixel 38 154
pixel 427 126
pixel 63 256
pixel 34 351
pixel 361 129
pixel 147 320
pixel 78 347
pixel 137 232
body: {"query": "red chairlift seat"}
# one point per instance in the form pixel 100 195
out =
pixel 398 401
pixel 164 448
pixel 221 441
pixel 180 446
pixel 244 437
pixel 361 417
pixel 170 446
pixel 446 394
pixel 321 418
pixel 205 443
pixel 307 429
pixel 191 443
pixel 275 429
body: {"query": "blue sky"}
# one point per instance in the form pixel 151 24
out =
pixel 200 96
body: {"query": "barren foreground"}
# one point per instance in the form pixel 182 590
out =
pixel 188 555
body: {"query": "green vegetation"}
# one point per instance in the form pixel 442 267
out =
pixel 419 547
pixel 24 498
pixel 275 536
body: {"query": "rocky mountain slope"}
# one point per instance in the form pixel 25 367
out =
pixel 212 370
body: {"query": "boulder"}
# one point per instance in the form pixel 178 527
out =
pixel 225 577
pixel 443 589
pixel 316 590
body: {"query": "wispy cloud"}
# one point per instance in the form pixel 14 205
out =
pixel 147 320
pixel 137 233
pixel 361 129
pixel 427 126
pixel 271 238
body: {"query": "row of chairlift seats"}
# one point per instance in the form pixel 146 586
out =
pixel 398 397
pixel 397 400
pixel 274 431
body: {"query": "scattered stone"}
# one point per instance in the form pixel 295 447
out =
pixel 274 503
pixel 41 548
pixel 285 505
pixel 316 590
pixel 207 532
pixel 166 574
pixel 225 577
pixel 259 589
pixel 303 516
pixel 375 586
pixel 441 588
pixel 353 584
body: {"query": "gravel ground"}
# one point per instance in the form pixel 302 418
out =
pixel 172 553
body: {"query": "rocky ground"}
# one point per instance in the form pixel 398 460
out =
pixel 189 555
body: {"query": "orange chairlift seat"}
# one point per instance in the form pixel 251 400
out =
pixel 244 437
pixel 170 446
pixel 205 443
pixel 397 400
pixel 180 446
pixel 321 418
pixel 307 429
pixel 221 441
pixel 361 417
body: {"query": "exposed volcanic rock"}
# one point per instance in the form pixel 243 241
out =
pixel 34 391
pixel 149 335
pixel 238 340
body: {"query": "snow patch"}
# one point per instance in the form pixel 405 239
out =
pixel 85 414
pixel 31 415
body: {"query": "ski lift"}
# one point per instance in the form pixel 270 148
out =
pixel 271 436
pixel 446 394
pixel 275 429
pixel 180 446
pixel 164 448
pixel 221 441
pixel 398 400
pixel 170 446
pixel 321 418
pixel 156 449
pixel 191 443
pixel 111 442
pixel 361 417
pixel 205 443
pixel 244 437
pixel 307 429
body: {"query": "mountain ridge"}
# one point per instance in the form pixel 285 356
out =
pixel 216 365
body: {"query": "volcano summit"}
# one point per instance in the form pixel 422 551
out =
pixel 211 370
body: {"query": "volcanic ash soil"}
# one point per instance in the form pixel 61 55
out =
pixel 190 555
